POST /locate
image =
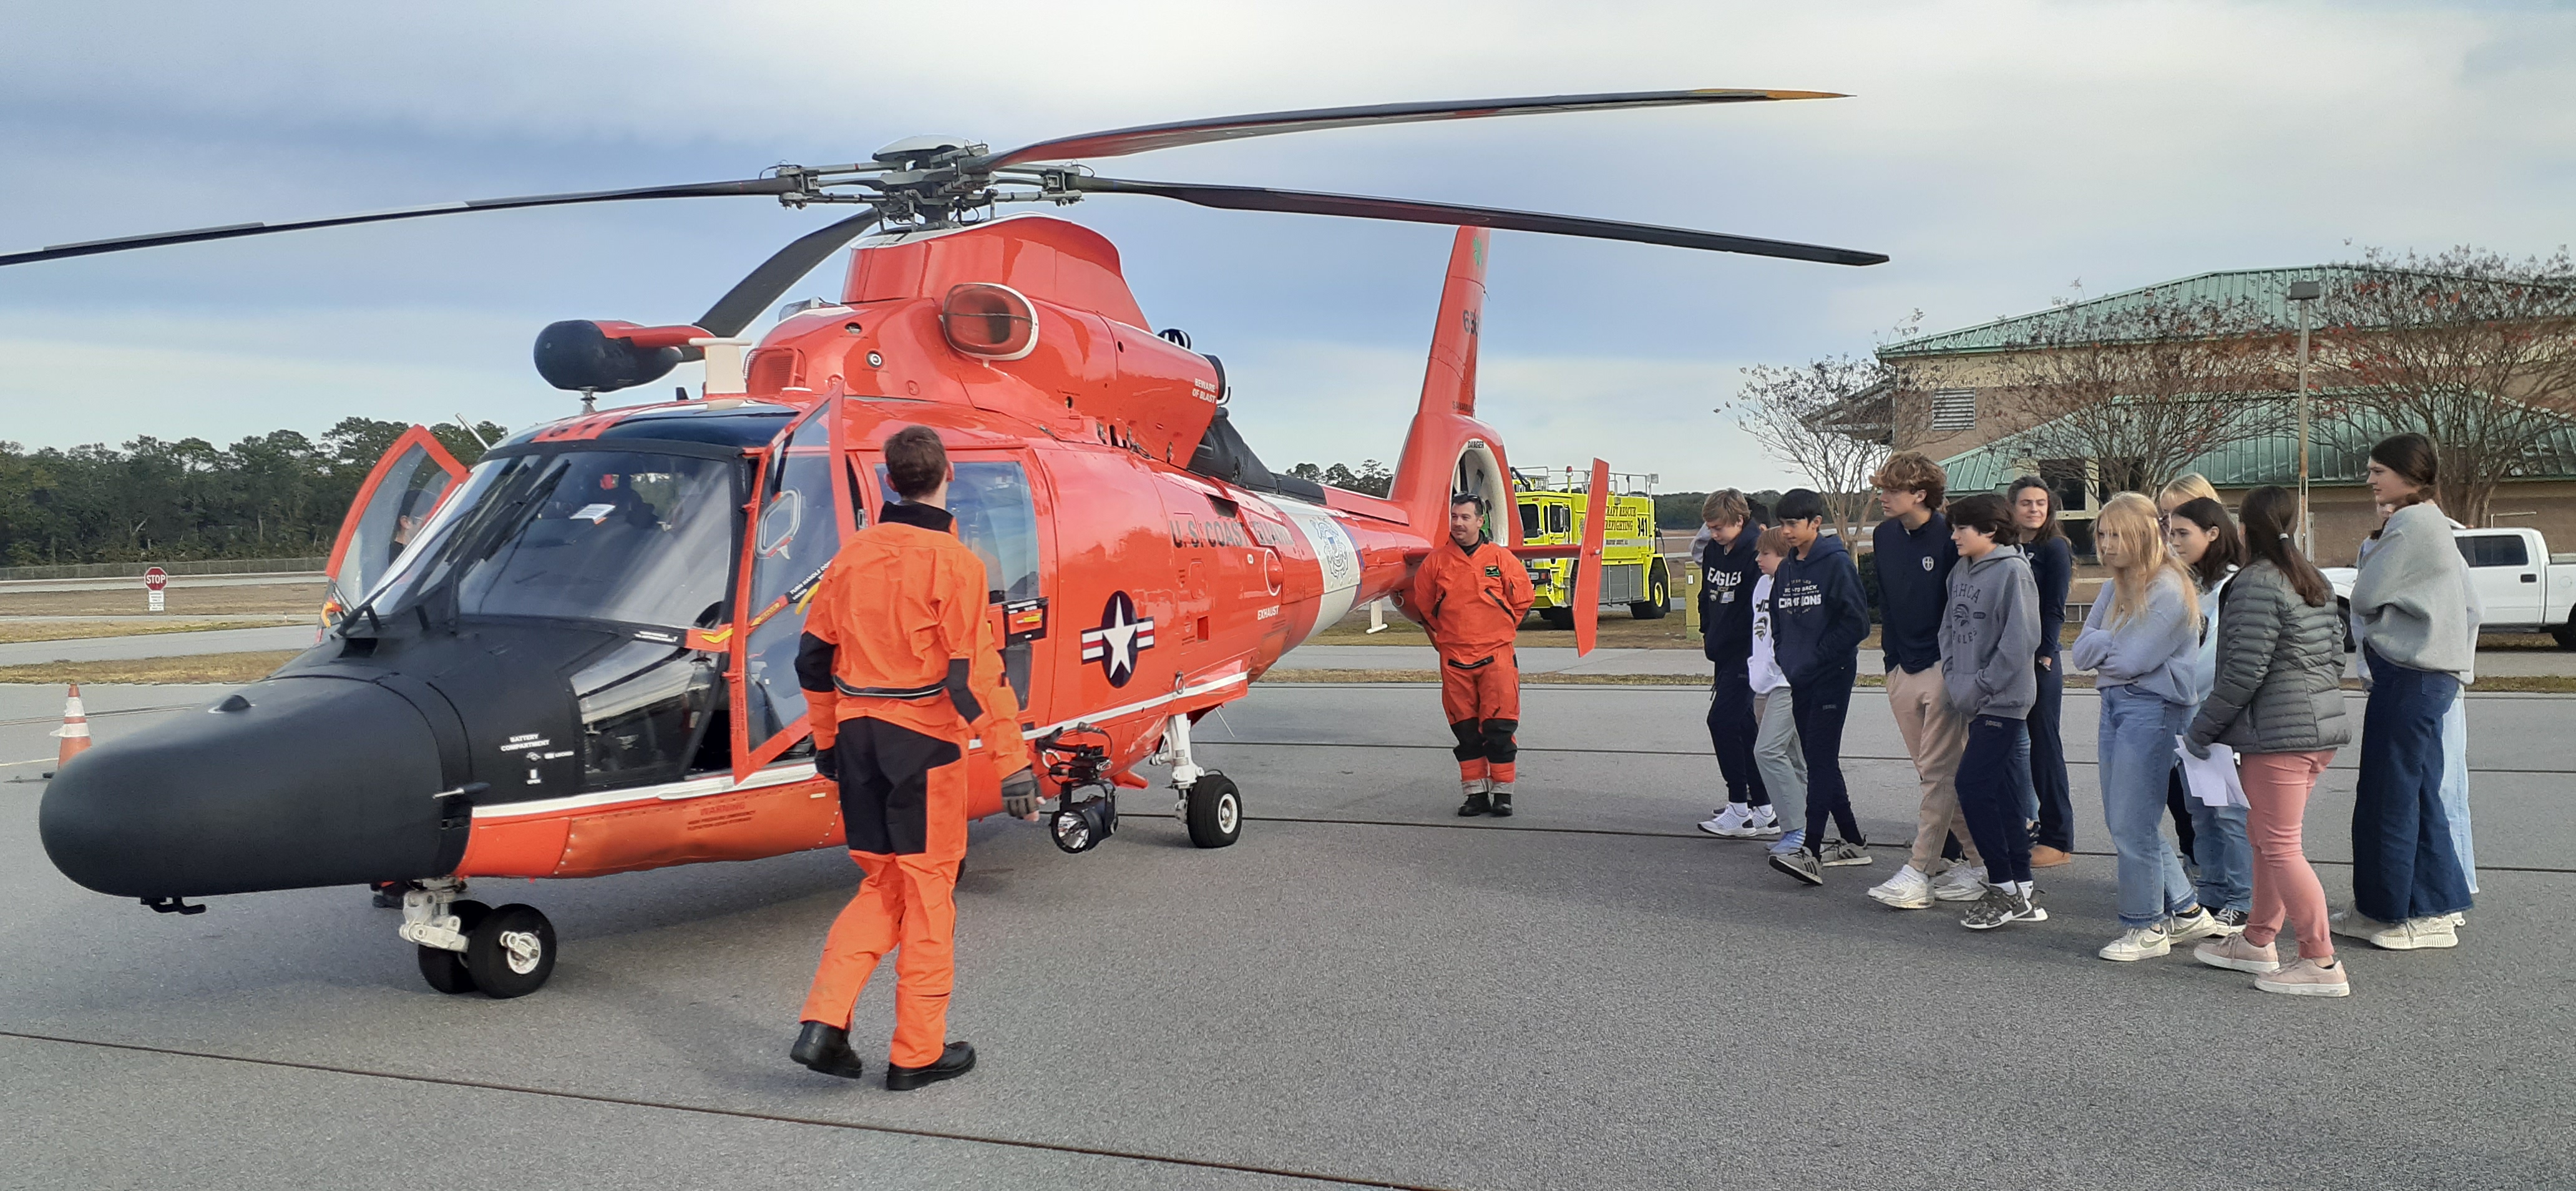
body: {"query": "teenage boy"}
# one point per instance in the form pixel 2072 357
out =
pixel 1819 618
pixel 1726 621
pixel 1775 739
pixel 1914 555
pixel 1987 640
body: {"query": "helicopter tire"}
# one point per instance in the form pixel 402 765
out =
pixel 1557 618
pixel 445 969
pixel 512 952
pixel 1215 812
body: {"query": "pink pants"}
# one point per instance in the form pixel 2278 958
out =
pixel 2285 887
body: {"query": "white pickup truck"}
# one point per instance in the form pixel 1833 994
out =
pixel 2521 587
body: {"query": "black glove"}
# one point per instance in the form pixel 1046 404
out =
pixel 827 762
pixel 1020 796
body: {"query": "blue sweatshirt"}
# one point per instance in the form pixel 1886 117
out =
pixel 2052 566
pixel 1726 596
pixel 2153 652
pixel 1913 590
pixel 1818 615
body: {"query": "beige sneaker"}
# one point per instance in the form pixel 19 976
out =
pixel 2416 934
pixel 2199 924
pixel 2235 954
pixel 2352 923
pixel 2306 978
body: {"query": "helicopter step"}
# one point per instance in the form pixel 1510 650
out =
pixel 466 946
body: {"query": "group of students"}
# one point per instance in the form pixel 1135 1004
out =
pixel 2213 639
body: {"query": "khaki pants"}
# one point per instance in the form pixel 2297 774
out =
pixel 1934 737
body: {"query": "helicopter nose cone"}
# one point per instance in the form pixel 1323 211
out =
pixel 287 784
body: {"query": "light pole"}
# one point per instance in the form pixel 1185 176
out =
pixel 2302 294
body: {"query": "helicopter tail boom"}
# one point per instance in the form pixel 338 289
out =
pixel 1447 450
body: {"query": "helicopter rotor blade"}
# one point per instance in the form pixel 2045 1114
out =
pixel 1147 137
pixel 1256 198
pixel 749 186
pixel 764 285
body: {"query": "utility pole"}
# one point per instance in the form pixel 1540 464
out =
pixel 2302 295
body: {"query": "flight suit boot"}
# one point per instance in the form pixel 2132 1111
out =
pixel 1477 802
pixel 1502 795
pixel 826 1049
pixel 956 1059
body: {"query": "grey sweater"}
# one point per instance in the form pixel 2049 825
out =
pixel 2152 653
pixel 1989 635
pixel 2279 683
pixel 2413 596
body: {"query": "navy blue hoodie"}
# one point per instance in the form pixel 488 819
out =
pixel 1818 615
pixel 1726 596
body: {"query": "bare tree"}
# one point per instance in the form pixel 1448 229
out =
pixel 1826 419
pixel 2141 384
pixel 2470 348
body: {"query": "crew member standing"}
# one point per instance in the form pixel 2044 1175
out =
pixel 901 673
pixel 1471 595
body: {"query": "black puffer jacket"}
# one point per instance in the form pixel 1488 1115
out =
pixel 2279 686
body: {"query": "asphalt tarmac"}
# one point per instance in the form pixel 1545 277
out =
pixel 1366 991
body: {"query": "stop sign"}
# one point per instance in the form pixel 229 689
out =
pixel 155 579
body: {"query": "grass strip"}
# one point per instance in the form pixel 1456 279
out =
pixel 211 667
pixel 15 632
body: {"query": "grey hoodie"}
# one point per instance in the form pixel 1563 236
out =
pixel 2413 596
pixel 1989 635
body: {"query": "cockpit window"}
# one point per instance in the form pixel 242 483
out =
pixel 609 535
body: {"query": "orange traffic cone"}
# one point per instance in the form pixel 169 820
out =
pixel 75 729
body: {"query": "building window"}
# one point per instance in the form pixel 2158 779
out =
pixel 1954 409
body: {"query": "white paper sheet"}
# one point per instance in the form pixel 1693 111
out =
pixel 2213 781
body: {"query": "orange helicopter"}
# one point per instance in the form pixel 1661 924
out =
pixel 577 657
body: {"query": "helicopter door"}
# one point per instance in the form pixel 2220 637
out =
pixel 802 514
pixel 408 482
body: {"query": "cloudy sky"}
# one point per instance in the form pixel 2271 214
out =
pixel 1999 150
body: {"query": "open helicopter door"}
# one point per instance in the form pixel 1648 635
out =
pixel 801 514
pixel 406 486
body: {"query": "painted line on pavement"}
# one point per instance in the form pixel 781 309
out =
pixel 736 1113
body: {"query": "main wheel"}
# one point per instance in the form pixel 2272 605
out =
pixel 1216 811
pixel 512 953
pixel 1557 618
pixel 445 969
pixel 2566 633
pixel 1658 600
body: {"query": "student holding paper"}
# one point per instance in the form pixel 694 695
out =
pixel 2277 699
pixel 2205 542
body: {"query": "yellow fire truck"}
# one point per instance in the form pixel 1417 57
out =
pixel 1552 507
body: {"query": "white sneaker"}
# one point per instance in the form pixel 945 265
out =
pixel 2199 924
pixel 1765 822
pixel 2137 943
pixel 2416 934
pixel 1964 882
pixel 2351 922
pixel 1909 889
pixel 1733 822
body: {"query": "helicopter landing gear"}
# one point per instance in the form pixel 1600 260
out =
pixel 466 946
pixel 1208 801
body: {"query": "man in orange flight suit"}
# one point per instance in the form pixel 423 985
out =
pixel 900 672
pixel 1471 595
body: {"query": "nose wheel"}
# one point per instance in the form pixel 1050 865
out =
pixel 466 946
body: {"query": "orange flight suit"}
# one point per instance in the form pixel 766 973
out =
pixel 901 672
pixel 1472 601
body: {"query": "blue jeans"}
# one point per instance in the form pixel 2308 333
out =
pixel 2402 861
pixel 2455 788
pixel 2025 791
pixel 2137 749
pixel 2224 855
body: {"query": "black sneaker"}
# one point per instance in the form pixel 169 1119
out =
pixel 956 1060
pixel 1998 907
pixel 1476 805
pixel 2233 920
pixel 826 1049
